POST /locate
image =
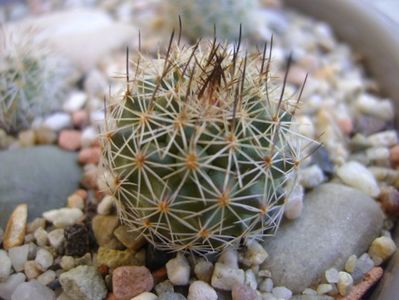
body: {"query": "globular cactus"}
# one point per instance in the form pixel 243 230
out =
pixel 32 81
pixel 199 147
pixel 201 16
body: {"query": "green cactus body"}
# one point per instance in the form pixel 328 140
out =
pixel 32 81
pixel 198 149
pixel 200 16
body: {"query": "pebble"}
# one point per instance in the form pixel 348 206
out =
pixel 389 199
pixel 31 270
pixel 75 101
pixel 203 270
pixel 145 296
pixel 363 264
pixel 229 257
pixel 250 279
pixel 44 259
pixel 243 292
pixel 5 265
pixel 129 238
pixel 14 235
pixel 266 285
pixel 200 290
pixel 294 203
pixel 331 275
pixel 47 277
pixel 76 201
pixel 69 139
pixel 83 282
pixel 345 283
pixel 255 254
pixel 80 118
pixel 27 138
pixel 282 292
pixel 90 155
pixel 324 288
pixel 311 176
pixel 56 238
pixel 116 258
pixel 58 121
pixel 171 296
pixel 309 292
pixel 225 277
pixel 371 105
pixel 67 262
pixel 381 249
pixel 105 206
pixel 35 224
pixel 45 136
pixel 164 287
pixel 76 239
pixel 178 270
pixel 394 156
pixel 378 155
pixel 18 256
pixel 130 281
pixel 63 217
pixel 358 176
pixel 387 138
pixel 103 228
pixel 8 287
pixel 358 291
pixel 368 125
pixel 350 263
pixel 32 290
pixel 89 136
pixel 41 237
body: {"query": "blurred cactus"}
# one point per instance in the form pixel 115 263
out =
pixel 32 81
pixel 200 17
pixel 199 148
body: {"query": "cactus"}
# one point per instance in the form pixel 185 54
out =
pixel 198 149
pixel 32 81
pixel 200 17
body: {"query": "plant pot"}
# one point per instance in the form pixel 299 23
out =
pixel 373 35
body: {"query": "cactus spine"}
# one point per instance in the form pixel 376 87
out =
pixel 199 148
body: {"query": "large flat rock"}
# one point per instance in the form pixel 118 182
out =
pixel 337 221
pixel 43 177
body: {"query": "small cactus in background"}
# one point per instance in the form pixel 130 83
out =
pixel 199 148
pixel 32 81
pixel 199 17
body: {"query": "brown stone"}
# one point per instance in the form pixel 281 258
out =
pixel 128 282
pixel 130 239
pixel 103 228
pixel 26 138
pixel 82 193
pixel 69 139
pixel 394 156
pixel 160 275
pixel 90 155
pixel 389 199
pixel 14 234
pixel 45 136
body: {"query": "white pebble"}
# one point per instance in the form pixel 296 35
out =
pixel 324 288
pixel 305 126
pixel 311 176
pixel 250 279
pixel 43 259
pixel 331 275
pixel 373 106
pixel 266 285
pixel 345 283
pixel 47 277
pixel 225 277
pixel 178 270
pixel 5 265
pixel 381 249
pixel 200 290
pixel 19 256
pixel 88 137
pixel 63 217
pixel 75 101
pixel 282 292
pixel 8 287
pixel 358 176
pixel 255 253
pixel 203 270
pixel 350 264
pixel 32 290
pixel 378 154
pixel 145 296
pixel 309 291
pixel 67 262
pixel 229 257
pixel 31 270
pixel 105 206
pixel 58 121
pixel 41 237
pixel 387 138
pixel 294 203
pixel 56 237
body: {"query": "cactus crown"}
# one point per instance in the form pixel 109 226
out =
pixel 32 80
pixel 198 149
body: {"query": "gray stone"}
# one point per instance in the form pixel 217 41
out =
pixel 337 222
pixel 8 287
pixel 83 283
pixel 363 264
pixel 43 177
pixel 32 290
